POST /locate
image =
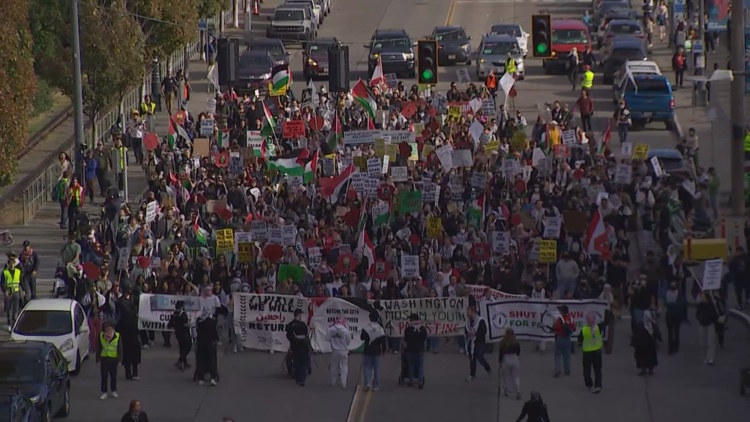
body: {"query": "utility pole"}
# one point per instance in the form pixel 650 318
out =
pixel 78 90
pixel 737 98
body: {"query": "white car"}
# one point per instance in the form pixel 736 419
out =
pixel 61 322
pixel 514 30
pixel 316 7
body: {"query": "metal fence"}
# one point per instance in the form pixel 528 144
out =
pixel 38 191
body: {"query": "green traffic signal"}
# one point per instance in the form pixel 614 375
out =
pixel 427 74
pixel 541 48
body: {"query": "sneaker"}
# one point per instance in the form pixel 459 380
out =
pixel 136 378
pixel 212 383
pixel 367 388
pixel 201 382
pixel 114 394
pixel 595 390
pixel 343 386
pixel 375 388
pixel 271 351
pixel 469 378
pixel 103 396
pixel 146 346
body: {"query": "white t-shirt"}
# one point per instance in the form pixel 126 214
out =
pixel 209 305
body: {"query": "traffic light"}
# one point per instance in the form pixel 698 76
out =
pixel 427 59
pixel 541 36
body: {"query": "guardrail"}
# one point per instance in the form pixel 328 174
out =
pixel 37 187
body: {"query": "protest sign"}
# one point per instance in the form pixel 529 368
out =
pixel 500 242
pixel 224 241
pixel 532 319
pixel 712 272
pixel 260 320
pixel 409 201
pixel 434 227
pixel 374 167
pixel 441 316
pixel 293 272
pixel 207 128
pixel 409 266
pixel 400 173
pixel 291 129
pixel 552 226
pixel 547 251
pixel 484 293
pixel 154 311
pixel 151 210
pixel 326 312
pixel 641 152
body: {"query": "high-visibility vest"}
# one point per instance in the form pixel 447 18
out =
pixel 747 142
pixel 588 80
pixel 510 65
pixel 75 195
pixel 122 151
pixel 148 108
pixel 491 82
pixel 12 281
pixel 591 343
pixel 109 348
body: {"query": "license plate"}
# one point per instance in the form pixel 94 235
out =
pixel 451 57
pixel 500 70
pixel 648 115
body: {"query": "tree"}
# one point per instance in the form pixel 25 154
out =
pixel 112 50
pixel 17 83
pixel 166 24
pixel 211 8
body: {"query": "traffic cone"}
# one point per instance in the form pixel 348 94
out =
pixel 256 10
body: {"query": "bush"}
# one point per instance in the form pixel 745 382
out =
pixel 42 101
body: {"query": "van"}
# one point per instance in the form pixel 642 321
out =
pixel 647 94
pixel 566 35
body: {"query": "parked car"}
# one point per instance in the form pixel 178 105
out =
pixel 39 371
pixel 61 322
pixel 16 407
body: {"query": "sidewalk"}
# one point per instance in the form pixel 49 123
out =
pixel 43 231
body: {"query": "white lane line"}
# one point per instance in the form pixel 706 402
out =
pixel 521 1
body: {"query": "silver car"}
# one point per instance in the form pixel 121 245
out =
pixel 492 53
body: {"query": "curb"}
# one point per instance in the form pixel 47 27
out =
pixel 740 315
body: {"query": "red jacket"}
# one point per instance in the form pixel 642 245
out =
pixel 558 325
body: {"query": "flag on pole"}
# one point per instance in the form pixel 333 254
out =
pixel 269 126
pixel 311 167
pixel 223 140
pixel 213 77
pixel 201 235
pixel 336 134
pixel 331 187
pixel 606 136
pixel 365 247
pixel 280 81
pixel 597 237
pixel 363 97
pixel 378 79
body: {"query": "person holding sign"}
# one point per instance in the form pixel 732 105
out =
pixel 338 335
pixel 476 342
pixel 707 316
pixel 373 337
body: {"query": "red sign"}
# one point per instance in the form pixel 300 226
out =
pixel 293 129
pixel 221 160
pixel 317 123
pixel 480 252
pixel 562 151
pixel 346 263
pixel 273 251
pixel 381 269
pixel 151 141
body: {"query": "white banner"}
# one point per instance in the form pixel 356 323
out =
pixel 532 319
pixel 325 313
pixel 260 320
pixel 154 311
pixel 442 317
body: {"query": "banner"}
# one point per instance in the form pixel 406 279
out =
pixel 532 319
pixel 484 293
pixel 327 311
pixel 442 317
pixel 154 311
pixel 260 320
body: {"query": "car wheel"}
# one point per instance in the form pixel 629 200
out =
pixel 77 369
pixel 65 409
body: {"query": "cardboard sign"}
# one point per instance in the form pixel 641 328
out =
pixel 547 251
pixel 434 227
pixel 293 129
pixel 641 152
pixel 201 147
pixel 480 252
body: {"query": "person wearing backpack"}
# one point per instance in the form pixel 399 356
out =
pixel 563 328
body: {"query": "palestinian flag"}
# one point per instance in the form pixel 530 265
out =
pixel 288 166
pixel 310 168
pixel 223 140
pixel 174 131
pixel 269 125
pixel 370 124
pixel 364 247
pixel 362 95
pixel 201 235
pixel 280 82
pixel 336 134
pixel 606 136
pixel 331 187
pixel 378 78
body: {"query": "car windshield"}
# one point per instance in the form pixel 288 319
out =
pixel 669 164
pixel 625 29
pixel 454 35
pixel 628 54
pixel 20 365
pixel 569 36
pixel 513 31
pixel 44 323
pixel 649 85
pixel 288 15
pixel 319 47
pixel 500 48
pixel 391 43
pixel 255 61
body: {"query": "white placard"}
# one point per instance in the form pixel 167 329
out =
pixel 552 226
pixel 623 173
pixel 657 167
pixel 386 162
pixel 409 266
pixel 500 243
pixel 445 156
pixel 712 271
pixel 151 210
pixel 569 138
pixel 288 235
pixel 207 127
pixel 374 167
pixel 463 75
pixel 627 149
pixel 259 230
pixel 399 173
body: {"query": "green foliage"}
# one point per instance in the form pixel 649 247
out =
pixel 166 24
pixel 42 101
pixel 112 47
pixel 211 8
pixel 17 83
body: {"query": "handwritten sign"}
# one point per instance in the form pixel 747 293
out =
pixel 547 251
pixel 293 129
pixel 641 152
pixel 434 227
pixel 224 241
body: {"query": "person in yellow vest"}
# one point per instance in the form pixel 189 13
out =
pixel 11 287
pixel 74 202
pixel 109 356
pixel 591 341
pixel 510 65
pixel 119 160
pixel 147 109
pixel 587 82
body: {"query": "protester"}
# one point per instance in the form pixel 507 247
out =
pixel 415 337
pixel 12 291
pixel 109 356
pixel 339 336
pixel 207 339
pixel 590 339
pixel 127 328
pixel 563 328
pixel 180 322
pixel 373 337
pixel 707 316
pixel 476 342
pixel 297 335
pixel 134 413
pixel 535 410
pixel 510 365
pixel 646 337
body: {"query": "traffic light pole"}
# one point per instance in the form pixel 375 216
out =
pixel 737 101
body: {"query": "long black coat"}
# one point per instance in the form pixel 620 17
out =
pixel 645 347
pixel 127 326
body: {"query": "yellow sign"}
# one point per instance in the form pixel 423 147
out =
pixel 640 152
pixel 547 251
pixel 360 163
pixel 426 151
pixel 492 146
pixel 224 241
pixel 434 227
pixel 454 112
pixel 245 252
pixel 418 128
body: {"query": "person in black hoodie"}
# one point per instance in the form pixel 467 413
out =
pixel 296 333
pixel 415 337
pixel 534 409
pixel 205 349
pixel 707 316
pixel 476 342
pixel 373 337
pixel 180 323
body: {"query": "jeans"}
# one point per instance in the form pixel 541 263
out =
pixel 120 177
pixel 622 131
pixel 73 212
pixel 108 371
pixel 14 307
pixel 131 370
pixel 29 286
pixel 679 77
pixel 371 365
pixel 432 344
pixel 63 215
pixel 416 366
pixel 394 343
pixel 511 376
pixel 562 354
pixel 586 123
pixel 673 333
pixel 592 360
pixel 477 355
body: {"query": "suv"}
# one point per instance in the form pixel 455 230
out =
pixel 40 372
pixel 566 34
pixel 292 22
pixel 315 6
pixel 492 53
pixel 617 52
pixel 395 50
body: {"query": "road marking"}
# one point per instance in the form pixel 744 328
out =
pixel 449 18
pixel 519 1
pixel 365 405
pixel 351 416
